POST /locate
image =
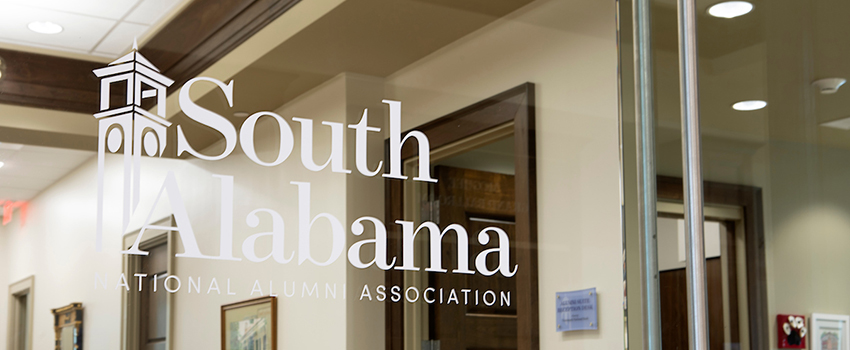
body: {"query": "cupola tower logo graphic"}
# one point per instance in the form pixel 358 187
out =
pixel 126 126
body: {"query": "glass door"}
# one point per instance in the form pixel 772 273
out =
pixel 773 134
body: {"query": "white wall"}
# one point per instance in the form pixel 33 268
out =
pixel 56 245
pixel 671 242
pixel 568 49
pixel 808 231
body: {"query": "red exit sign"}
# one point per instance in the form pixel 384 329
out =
pixel 10 206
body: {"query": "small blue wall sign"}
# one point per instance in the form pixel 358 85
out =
pixel 576 310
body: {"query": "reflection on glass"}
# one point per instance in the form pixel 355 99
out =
pixel 775 129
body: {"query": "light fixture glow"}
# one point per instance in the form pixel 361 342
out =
pixel 751 105
pixel 45 27
pixel 2 164
pixel 730 9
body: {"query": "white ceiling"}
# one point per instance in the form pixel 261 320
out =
pixel 30 169
pixel 93 27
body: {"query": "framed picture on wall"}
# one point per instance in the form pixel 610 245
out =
pixel 830 332
pixel 249 325
pixel 68 325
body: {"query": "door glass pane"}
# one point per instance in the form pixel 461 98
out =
pixel 341 174
pixel 774 155
pixel 773 109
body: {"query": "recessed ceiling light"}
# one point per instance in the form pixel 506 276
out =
pixel 730 9
pixel 2 164
pixel 750 105
pixel 45 27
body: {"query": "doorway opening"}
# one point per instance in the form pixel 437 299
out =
pixel 736 272
pixel 484 159
pixel 19 328
pixel 147 314
pixel 726 278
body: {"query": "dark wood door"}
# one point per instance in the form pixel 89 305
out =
pixel 674 308
pixel 475 200
pixel 674 301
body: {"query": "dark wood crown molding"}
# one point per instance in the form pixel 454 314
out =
pixel 207 30
pixel 51 82
pixel 200 35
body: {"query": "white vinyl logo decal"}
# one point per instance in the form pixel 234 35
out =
pixel 125 125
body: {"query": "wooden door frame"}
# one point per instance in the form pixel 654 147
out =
pixel 749 198
pixel 732 272
pixel 516 106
